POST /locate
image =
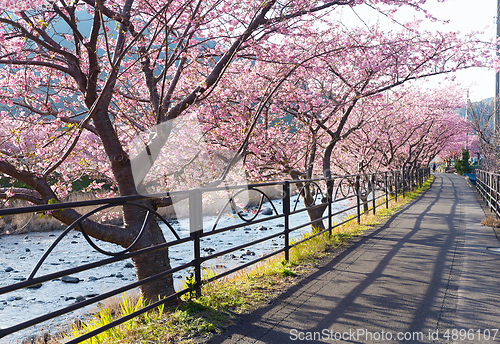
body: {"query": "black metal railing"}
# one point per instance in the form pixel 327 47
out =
pixel 362 193
pixel 488 186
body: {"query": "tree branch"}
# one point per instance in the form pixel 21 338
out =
pixel 32 196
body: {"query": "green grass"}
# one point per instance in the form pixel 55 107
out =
pixel 223 300
pixel 107 314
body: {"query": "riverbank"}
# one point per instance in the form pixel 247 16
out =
pixel 221 302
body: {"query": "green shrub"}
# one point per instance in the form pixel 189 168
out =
pixel 463 165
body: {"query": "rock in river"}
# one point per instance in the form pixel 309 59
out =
pixel 69 279
pixel 267 211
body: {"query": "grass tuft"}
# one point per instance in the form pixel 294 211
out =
pixel 491 221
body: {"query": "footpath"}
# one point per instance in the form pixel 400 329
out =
pixel 425 276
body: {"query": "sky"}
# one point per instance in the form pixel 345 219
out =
pixel 463 17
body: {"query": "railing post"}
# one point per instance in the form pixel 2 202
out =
pixel 479 177
pixel 358 201
pixel 493 192
pixel 410 180
pixel 329 197
pixel 496 194
pixel 478 182
pixel 490 193
pixel 386 192
pixel 286 212
pixel 373 192
pixel 396 184
pixel 196 229
pixel 415 179
pixel 485 187
pixel 404 182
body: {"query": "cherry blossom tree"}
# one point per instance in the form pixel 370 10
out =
pixel 411 128
pixel 312 105
pixel 82 78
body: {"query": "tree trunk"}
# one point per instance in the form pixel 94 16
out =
pixel 153 263
pixel 315 214
pixel 391 190
pixel 364 201
pixel 308 198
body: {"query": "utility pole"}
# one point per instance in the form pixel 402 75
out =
pixel 496 117
pixel 467 117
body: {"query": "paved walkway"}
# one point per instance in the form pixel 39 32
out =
pixel 423 273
